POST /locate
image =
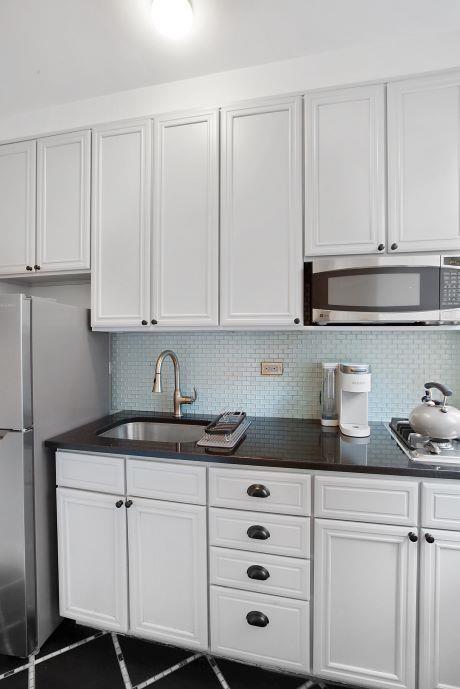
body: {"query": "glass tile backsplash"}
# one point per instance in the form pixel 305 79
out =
pixel 225 369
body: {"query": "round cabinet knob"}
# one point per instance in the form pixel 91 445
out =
pixel 381 247
pixel 429 538
pixel 260 533
pixel 144 323
pixel 257 490
pixel 37 267
pixel 128 503
pixel 297 321
pixel 258 572
pixel 257 619
pixel 29 268
pixel 394 246
pixel 413 537
pixel 119 503
pixel 154 322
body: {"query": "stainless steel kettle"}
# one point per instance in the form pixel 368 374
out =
pixel 434 418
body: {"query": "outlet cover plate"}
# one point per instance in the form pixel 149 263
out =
pixel 271 368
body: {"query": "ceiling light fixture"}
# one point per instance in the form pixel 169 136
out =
pixel 173 18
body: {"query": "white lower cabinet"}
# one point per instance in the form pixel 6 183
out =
pixel 261 629
pixel 168 572
pixel 93 567
pixel 440 610
pixel 365 604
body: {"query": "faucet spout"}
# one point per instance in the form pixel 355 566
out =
pixel 179 398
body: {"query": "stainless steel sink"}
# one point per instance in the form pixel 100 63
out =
pixel 156 431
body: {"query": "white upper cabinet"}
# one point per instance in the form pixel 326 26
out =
pixel 63 202
pixel 261 213
pixel 345 171
pixel 121 225
pixel 17 207
pixel 365 597
pixel 185 288
pixel 424 163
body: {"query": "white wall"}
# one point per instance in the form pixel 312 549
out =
pixel 380 61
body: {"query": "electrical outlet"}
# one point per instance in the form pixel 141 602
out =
pixel 271 368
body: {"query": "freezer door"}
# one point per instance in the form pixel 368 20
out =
pixel 17 547
pixel 15 362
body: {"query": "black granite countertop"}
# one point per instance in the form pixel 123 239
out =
pixel 269 442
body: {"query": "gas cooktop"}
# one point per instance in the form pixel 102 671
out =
pixel 421 448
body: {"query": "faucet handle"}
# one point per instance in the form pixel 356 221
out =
pixel 189 399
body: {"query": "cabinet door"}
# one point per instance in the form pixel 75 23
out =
pixel 121 225
pixel 365 604
pixel 440 611
pixel 168 572
pixel 63 202
pixel 186 220
pixel 424 163
pixel 261 218
pixel 345 171
pixel 17 207
pixel 93 569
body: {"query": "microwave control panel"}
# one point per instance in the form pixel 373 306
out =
pixel 450 283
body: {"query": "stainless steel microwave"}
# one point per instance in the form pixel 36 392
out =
pixel 383 289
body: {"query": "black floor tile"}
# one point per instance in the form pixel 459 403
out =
pixel 8 663
pixel 91 666
pixel 240 676
pixel 19 681
pixel 196 675
pixel 144 659
pixel 68 632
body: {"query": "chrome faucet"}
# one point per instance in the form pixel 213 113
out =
pixel 179 398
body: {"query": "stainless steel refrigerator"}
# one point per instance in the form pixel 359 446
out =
pixel 54 375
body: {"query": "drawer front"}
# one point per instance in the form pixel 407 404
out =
pixel 262 533
pixel 264 491
pixel 164 481
pixel 441 505
pixel 366 500
pixel 102 473
pixel 284 640
pixel 273 574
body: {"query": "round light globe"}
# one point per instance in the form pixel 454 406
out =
pixel 173 18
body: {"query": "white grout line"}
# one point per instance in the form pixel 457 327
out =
pixel 167 672
pixel 31 677
pixel 10 673
pixel 309 684
pixel 218 673
pixel 121 662
pixel 69 648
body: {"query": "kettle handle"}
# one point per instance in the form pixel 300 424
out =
pixel 447 392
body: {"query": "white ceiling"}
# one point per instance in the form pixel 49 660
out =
pixel 56 51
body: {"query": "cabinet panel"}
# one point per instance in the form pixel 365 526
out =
pixel 424 163
pixel 267 491
pixel 93 568
pixel 165 481
pixel 168 572
pixel 345 170
pixel 440 611
pixel 121 225
pixel 63 201
pixel 186 220
pixel 441 505
pixel 268 533
pixel 365 604
pixel 261 213
pixel 284 642
pixel 17 206
pixel 91 472
pixel 367 499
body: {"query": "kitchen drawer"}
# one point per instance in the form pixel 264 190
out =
pixel 441 505
pixel 262 573
pixel 284 492
pixel 282 534
pixel 366 499
pixel 102 473
pixel 284 642
pixel 164 481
